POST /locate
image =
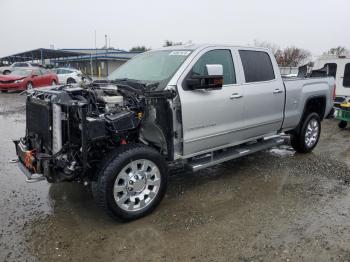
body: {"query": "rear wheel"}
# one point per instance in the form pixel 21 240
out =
pixel 307 138
pixel 342 124
pixel 71 81
pixel 29 86
pixel 6 72
pixel 131 183
pixel 53 83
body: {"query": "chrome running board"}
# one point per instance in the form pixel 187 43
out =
pixel 217 157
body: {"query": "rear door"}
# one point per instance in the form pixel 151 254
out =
pixel 264 93
pixel 211 118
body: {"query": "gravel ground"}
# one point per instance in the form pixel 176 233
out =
pixel 271 206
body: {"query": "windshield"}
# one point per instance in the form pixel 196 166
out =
pixel 151 67
pixel 21 72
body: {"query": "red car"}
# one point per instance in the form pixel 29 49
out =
pixel 27 78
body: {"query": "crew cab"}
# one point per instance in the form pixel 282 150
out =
pixel 193 106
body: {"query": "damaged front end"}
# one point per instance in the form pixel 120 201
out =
pixel 69 130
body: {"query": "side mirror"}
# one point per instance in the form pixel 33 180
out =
pixel 213 79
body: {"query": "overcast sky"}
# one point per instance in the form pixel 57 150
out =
pixel 316 25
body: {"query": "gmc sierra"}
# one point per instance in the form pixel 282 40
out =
pixel 193 105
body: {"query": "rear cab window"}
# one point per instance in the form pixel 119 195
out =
pixel 257 66
pixel 332 69
pixel 346 79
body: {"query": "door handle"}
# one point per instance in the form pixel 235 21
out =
pixel 236 96
pixel 277 91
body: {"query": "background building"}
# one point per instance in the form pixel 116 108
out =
pixel 97 62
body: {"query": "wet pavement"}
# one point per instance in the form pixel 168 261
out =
pixel 271 206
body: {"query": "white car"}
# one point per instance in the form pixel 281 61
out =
pixel 70 76
pixel 8 69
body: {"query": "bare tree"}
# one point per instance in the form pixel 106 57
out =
pixel 272 46
pixel 171 43
pixel 290 56
pixel 338 51
pixel 293 56
pixel 139 49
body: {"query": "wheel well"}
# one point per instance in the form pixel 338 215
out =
pixel 315 104
pixel 70 79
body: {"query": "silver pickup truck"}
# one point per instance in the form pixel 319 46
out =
pixel 192 105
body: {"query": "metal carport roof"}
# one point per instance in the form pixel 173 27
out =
pixel 39 54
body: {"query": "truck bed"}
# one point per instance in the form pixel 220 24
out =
pixel 299 90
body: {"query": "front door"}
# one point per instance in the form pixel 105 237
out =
pixel 211 118
pixel 37 78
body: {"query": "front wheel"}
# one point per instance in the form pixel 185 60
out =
pixel 29 86
pixel 131 183
pixel 307 138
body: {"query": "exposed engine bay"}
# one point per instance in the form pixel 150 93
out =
pixel 69 130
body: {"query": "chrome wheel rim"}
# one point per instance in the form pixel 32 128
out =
pixel 29 86
pixel 53 83
pixel 312 132
pixel 136 185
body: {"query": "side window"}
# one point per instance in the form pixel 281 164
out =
pixel 257 66
pixel 332 69
pixel 37 72
pixel 346 79
pixel 222 57
pixel 20 65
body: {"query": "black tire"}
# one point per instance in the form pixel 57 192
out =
pixel 71 81
pixel 29 86
pixel 298 140
pixel 103 188
pixel 6 72
pixel 342 124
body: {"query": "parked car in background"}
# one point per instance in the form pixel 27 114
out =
pixel 8 69
pixel 339 68
pixel 71 76
pixel 27 78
